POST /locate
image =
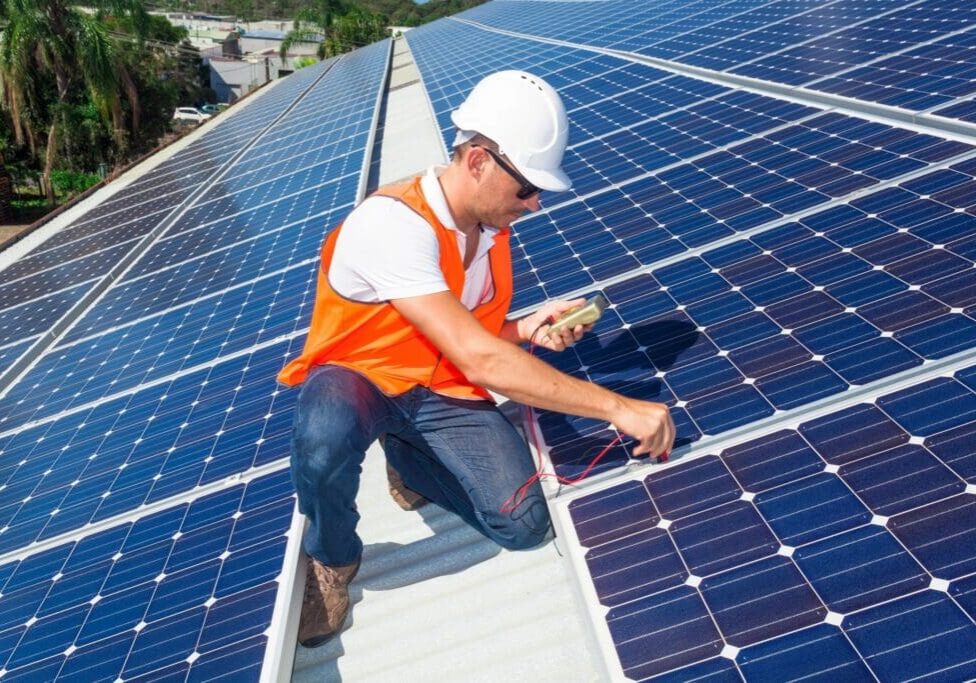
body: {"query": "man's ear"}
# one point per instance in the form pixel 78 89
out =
pixel 475 159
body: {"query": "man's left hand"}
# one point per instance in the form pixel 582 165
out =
pixel 535 328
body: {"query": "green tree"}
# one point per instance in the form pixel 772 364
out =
pixel 242 9
pixel 337 27
pixel 166 70
pixel 354 28
pixel 48 50
pixel 313 24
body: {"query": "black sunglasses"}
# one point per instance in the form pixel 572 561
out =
pixel 526 189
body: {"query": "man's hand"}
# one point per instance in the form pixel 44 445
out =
pixel 535 324
pixel 649 423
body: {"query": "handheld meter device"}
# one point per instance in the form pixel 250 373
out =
pixel 587 314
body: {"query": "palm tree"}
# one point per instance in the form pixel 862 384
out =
pixel 313 24
pixel 48 49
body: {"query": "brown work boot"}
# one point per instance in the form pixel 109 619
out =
pixel 407 499
pixel 326 601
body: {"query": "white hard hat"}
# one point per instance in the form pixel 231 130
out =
pixel 525 117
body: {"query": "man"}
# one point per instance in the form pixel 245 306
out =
pixel 409 331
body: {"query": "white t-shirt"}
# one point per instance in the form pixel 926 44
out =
pixel 387 251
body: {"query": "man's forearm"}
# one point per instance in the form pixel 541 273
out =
pixel 524 378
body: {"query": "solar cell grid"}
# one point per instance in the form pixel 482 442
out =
pixel 90 247
pixel 55 258
pixel 12 351
pixel 196 333
pixel 170 419
pixel 841 298
pixel 724 26
pixel 798 549
pixel 77 231
pixel 143 447
pixel 126 208
pixel 869 40
pixel 180 180
pixel 688 18
pixel 212 328
pixel 306 124
pixel 29 319
pixel 606 24
pixel 319 143
pixel 316 151
pixel 190 587
pixel 259 254
pixel 873 51
pixel 86 268
pixel 710 198
pixel 964 110
pixel 739 50
pixel 619 155
pixel 315 184
pixel 941 70
pixel 236 231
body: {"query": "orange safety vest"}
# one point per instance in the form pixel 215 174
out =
pixel 376 341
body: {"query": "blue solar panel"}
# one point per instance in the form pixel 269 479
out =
pixel 799 551
pixel 63 270
pixel 32 318
pixel 763 259
pixel 907 79
pixel 915 56
pixel 757 264
pixel 160 403
pixel 143 447
pixel 256 241
pixel 789 316
pixel 189 588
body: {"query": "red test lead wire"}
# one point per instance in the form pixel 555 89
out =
pixel 516 498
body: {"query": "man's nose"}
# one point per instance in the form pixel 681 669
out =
pixel 532 203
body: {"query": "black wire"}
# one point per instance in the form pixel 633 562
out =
pixel 544 323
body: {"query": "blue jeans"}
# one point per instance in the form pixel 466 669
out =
pixel 463 455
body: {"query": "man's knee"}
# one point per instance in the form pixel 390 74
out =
pixel 524 528
pixel 524 539
pixel 329 415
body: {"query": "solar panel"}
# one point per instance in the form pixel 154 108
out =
pixel 186 590
pixel 148 521
pixel 911 55
pixel 218 242
pixel 764 261
pixel 66 270
pixel 791 275
pixel 835 545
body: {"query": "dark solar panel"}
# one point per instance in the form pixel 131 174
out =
pixel 766 260
pixel 752 273
pixel 190 587
pixel 810 548
pixel 131 436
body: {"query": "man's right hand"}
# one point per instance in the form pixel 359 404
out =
pixel 649 423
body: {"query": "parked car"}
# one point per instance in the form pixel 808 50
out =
pixel 190 114
pixel 213 108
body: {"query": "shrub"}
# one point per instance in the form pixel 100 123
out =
pixel 72 182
